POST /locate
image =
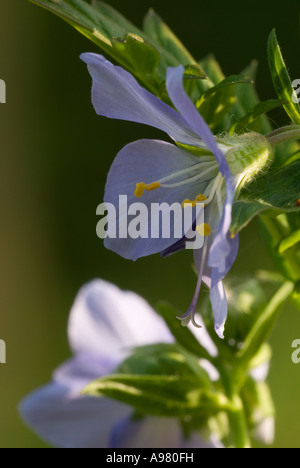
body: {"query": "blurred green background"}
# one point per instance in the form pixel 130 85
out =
pixel 55 153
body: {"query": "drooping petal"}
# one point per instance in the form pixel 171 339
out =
pixel 116 94
pixel 149 161
pixel 220 248
pixel 109 322
pixel 224 249
pixel 188 110
pixel 220 270
pixel 156 432
pixel 71 421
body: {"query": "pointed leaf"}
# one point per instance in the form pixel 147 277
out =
pixel 217 101
pixel 164 359
pixel 278 190
pixel 245 123
pixel 159 395
pixel 289 242
pixel 281 78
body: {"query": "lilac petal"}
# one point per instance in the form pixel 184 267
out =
pixel 212 277
pixel 147 161
pixel 224 249
pixel 117 95
pixel 220 248
pixel 196 122
pixel 71 421
pixel 220 270
pixel 109 322
pixel 220 307
pixel 153 432
pixel 84 368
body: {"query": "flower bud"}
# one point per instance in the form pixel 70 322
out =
pixel 251 154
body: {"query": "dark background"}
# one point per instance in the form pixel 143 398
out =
pixel 55 153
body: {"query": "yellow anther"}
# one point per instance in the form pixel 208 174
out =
pixel 204 230
pixel 199 199
pixel 141 187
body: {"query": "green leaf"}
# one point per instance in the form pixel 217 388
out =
pixel 244 124
pixel 212 69
pixel 164 359
pixel 217 101
pixel 159 395
pixel 182 334
pixel 281 78
pixel 173 52
pixel 247 98
pixel 289 242
pixel 243 213
pixel 261 330
pixel 140 55
pixel 277 190
pixel 193 72
pixel 115 35
pixel 114 20
pixel 156 29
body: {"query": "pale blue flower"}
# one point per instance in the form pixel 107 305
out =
pixel 157 171
pixel 105 324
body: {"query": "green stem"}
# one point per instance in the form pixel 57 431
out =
pixel 238 424
pixel 286 134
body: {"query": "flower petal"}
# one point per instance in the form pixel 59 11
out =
pixel 152 432
pixel 84 368
pixel 220 307
pixel 220 270
pixel 196 122
pixel 148 161
pixel 116 94
pixel 69 421
pixel 221 247
pixel 109 322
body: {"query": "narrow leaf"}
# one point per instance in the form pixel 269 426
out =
pixel 278 190
pixel 217 101
pixel 289 242
pixel 244 124
pixel 281 78
pixel 159 395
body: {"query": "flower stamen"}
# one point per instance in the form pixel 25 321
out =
pixel 204 230
pixel 141 187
